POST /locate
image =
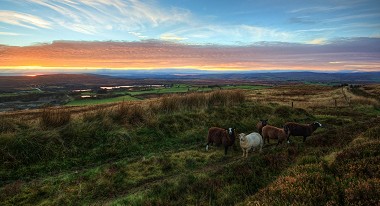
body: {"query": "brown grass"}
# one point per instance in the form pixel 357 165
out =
pixel 313 96
pixel 55 117
pixel 177 102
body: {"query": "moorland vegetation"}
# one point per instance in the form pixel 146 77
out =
pixel 152 152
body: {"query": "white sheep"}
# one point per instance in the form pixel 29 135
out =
pixel 249 141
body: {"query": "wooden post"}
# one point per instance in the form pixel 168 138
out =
pixel 292 104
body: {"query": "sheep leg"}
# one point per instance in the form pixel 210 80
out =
pixel 243 151
pixel 304 138
pixel 246 152
pixel 279 142
pixel 225 150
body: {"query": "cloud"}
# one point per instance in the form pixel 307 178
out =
pixel 97 15
pixel 317 41
pixel 358 54
pixel 171 37
pixel 302 20
pixel 138 35
pixel 230 34
pixel 10 34
pixel 318 9
pixel 23 20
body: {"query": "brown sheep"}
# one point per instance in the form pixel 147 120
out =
pixel 280 134
pixel 304 130
pixel 219 136
pixel 260 125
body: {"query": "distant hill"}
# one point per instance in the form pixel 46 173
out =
pixel 76 81
pixel 188 74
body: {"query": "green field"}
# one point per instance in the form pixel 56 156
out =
pixel 182 88
pixel 83 102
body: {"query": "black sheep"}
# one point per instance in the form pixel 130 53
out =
pixel 304 130
pixel 219 136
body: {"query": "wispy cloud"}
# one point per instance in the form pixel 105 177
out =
pixel 318 41
pixel 353 17
pixel 318 9
pixel 94 16
pixel 302 20
pixel 231 34
pixel 10 34
pixel 23 20
pixel 138 35
pixel 171 37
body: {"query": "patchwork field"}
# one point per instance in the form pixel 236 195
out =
pixel 152 152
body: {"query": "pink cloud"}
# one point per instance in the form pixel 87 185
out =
pixel 352 54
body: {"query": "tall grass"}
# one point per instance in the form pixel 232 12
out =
pixel 177 102
pixel 132 114
pixel 55 117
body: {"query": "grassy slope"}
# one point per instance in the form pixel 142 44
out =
pixel 133 158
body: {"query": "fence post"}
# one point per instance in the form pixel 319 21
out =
pixel 292 104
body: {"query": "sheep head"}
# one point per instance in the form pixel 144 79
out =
pixel 286 130
pixel 317 124
pixel 242 137
pixel 264 122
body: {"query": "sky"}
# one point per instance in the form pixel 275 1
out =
pixel 244 35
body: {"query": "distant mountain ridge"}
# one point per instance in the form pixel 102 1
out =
pixel 171 76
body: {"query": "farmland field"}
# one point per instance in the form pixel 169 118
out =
pixel 152 152
pixel 83 102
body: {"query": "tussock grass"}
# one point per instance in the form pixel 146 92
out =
pixel 192 101
pixel 55 117
pixel 133 114
pixel 10 125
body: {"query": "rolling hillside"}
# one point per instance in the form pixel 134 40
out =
pixel 152 152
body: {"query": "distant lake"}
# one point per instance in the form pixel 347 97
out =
pixel 133 86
